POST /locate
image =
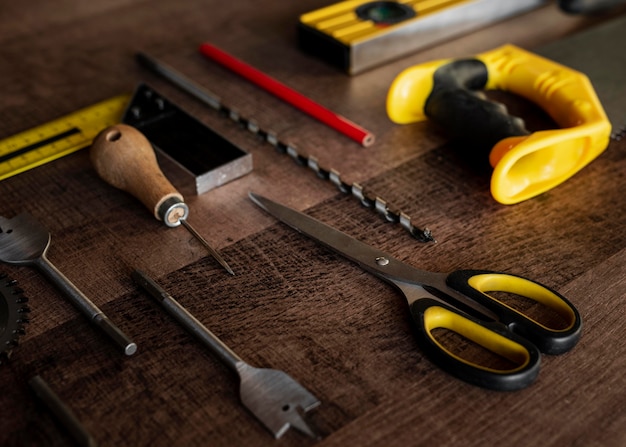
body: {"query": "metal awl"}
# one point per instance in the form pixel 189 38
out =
pixel 124 158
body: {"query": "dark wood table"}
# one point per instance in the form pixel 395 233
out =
pixel 293 305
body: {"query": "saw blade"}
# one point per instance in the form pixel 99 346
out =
pixel 599 54
pixel 13 316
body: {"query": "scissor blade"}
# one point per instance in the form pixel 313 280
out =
pixel 370 258
pixel 411 281
pixel 325 234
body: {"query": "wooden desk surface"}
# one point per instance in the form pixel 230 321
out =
pixel 293 305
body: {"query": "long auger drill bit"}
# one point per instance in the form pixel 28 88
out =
pixel 371 201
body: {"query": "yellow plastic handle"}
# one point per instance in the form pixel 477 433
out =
pixel 524 166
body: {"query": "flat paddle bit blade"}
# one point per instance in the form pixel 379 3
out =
pixel 276 399
pixel 22 239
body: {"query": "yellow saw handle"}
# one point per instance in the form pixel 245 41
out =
pixel 449 92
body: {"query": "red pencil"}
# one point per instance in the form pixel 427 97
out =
pixel 289 95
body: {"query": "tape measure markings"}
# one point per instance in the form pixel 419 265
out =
pixel 55 139
pixel 39 144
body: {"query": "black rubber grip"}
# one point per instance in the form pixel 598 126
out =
pixel 459 106
pixel 588 6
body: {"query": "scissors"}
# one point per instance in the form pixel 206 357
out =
pixel 465 302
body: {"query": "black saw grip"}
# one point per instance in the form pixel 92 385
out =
pixel 588 6
pixel 457 104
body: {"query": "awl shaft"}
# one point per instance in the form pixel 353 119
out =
pixel 124 158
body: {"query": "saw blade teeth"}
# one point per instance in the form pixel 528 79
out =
pixel 14 318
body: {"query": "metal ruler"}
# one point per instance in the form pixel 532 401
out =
pixel 55 139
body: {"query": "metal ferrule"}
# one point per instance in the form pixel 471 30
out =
pixel 172 211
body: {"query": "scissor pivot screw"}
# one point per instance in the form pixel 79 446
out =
pixel 382 261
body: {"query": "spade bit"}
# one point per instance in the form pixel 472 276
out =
pixel 277 400
pixel 24 241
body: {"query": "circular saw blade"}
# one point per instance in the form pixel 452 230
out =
pixel 13 316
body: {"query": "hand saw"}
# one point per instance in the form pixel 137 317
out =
pixel 55 139
pixel 526 164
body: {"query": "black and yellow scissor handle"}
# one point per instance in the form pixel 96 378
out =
pixel 516 337
pixel 449 92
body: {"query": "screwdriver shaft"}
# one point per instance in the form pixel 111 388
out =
pixel 211 250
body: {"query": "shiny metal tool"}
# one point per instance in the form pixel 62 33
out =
pixel 24 241
pixel 277 400
pixel 124 158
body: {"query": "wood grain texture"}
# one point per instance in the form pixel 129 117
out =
pixel 293 305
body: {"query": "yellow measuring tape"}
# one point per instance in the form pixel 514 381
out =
pixel 55 139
